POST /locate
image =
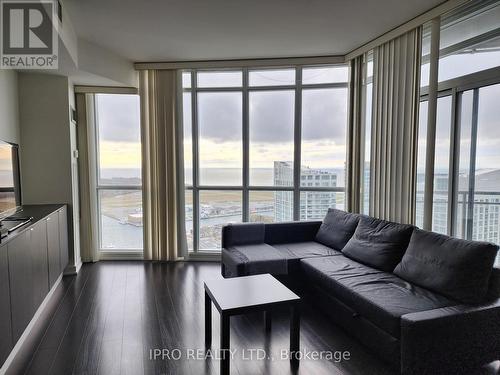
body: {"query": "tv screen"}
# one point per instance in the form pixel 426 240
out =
pixel 10 192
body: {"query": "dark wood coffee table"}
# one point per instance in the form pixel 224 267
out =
pixel 244 295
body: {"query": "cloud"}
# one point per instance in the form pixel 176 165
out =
pixel 220 116
pixel 271 115
pixel 118 118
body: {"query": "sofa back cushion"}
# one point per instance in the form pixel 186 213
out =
pixel 455 268
pixel 242 234
pixel 378 243
pixel 337 228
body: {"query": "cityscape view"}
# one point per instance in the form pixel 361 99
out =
pixel 218 208
pixel 478 218
pixel 121 210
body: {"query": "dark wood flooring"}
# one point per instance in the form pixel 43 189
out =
pixel 108 318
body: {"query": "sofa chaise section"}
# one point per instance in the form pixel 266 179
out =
pixel 250 249
pixel 424 302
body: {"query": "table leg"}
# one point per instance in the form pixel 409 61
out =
pixel 224 344
pixel 208 321
pixel 294 334
pixel 268 320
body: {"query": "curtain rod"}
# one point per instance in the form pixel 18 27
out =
pixel 81 89
pixel 241 63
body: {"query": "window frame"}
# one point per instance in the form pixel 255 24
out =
pixel 245 187
pixel 96 187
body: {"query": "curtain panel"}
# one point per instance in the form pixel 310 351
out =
pixel 355 136
pixel 396 84
pixel 162 166
pixel 86 156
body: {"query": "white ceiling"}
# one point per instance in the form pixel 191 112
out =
pixel 176 30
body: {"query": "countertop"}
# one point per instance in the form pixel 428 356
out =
pixel 36 211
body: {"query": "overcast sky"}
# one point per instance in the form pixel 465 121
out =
pixel 271 114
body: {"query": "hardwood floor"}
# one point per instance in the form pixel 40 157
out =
pixel 111 317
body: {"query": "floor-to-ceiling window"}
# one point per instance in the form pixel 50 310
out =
pixel 262 145
pixel 466 195
pixel 367 130
pixel 117 190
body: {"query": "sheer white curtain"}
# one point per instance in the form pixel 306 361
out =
pixel 162 166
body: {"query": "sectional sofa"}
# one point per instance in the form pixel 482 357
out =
pixel 424 302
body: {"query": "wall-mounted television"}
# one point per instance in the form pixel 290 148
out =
pixel 10 181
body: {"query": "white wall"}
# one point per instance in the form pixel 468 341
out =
pixel 45 154
pixel 9 107
pixel 44 117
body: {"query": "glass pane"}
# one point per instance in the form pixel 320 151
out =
pixel 324 122
pixel 220 143
pixel 220 79
pixel 119 139
pixel 442 166
pixel 272 77
pixel 422 145
pixel 271 206
pixel 470 60
pixel 271 135
pixel 466 46
pixel 325 74
pixel 188 140
pixel 464 164
pixel 368 142
pixel 217 208
pixel 188 213
pixel 315 204
pixel 186 80
pixel 120 219
pixel 486 224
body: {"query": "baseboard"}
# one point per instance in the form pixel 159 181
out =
pixel 121 255
pixel 28 329
pixel 73 269
pixel 204 257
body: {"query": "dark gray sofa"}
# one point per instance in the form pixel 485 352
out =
pixel 424 302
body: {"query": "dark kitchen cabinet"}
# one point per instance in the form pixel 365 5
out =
pixel 5 323
pixel 32 258
pixel 38 242
pixel 54 250
pixel 63 237
pixel 21 282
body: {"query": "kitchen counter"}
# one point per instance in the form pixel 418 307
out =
pixel 36 211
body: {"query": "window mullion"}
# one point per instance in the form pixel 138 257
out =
pixel 454 161
pixel 246 148
pixel 195 171
pixel 297 134
pixel 472 166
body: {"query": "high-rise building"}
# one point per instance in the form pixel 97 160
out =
pixel 484 222
pixel 313 204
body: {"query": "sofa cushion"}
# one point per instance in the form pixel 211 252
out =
pixel 253 259
pixel 378 243
pixel 378 296
pixel 337 228
pixel 456 268
pixel 299 250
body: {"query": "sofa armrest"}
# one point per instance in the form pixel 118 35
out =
pixel 450 339
pixel 293 231
pixel 242 234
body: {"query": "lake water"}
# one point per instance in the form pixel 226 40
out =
pixel 208 176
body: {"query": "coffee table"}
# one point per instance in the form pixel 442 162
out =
pixel 244 295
